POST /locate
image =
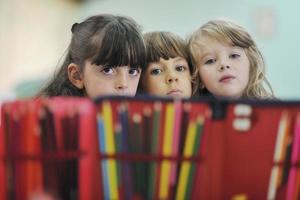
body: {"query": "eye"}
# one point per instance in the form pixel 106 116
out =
pixel 234 55
pixel 210 61
pixel 134 71
pixel 155 71
pixel 107 70
pixel 180 68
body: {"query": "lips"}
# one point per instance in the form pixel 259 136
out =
pixel 174 92
pixel 226 78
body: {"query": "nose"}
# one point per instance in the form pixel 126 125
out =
pixel 224 64
pixel 171 77
pixel 223 67
pixel 121 82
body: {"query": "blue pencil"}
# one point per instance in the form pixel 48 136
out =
pixel 127 176
pixel 103 161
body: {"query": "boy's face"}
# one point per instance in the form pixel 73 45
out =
pixel 224 69
pixel 170 77
pixel 106 80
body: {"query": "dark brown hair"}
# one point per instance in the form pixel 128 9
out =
pixel 104 40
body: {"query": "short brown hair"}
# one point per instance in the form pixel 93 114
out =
pixel 164 44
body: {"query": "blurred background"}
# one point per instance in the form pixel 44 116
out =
pixel 34 34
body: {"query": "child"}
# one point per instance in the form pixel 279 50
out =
pixel 105 57
pixel 168 69
pixel 228 61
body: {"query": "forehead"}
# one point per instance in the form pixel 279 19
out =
pixel 175 59
pixel 168 62
pixel 206 42
pixel 206 45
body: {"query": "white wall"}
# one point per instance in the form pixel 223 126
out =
pixel 33 36
pixel 35 33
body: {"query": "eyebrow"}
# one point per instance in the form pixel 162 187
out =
pixel 237 47
pixel 179 58
pixel 207 53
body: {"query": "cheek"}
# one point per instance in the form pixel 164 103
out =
pixel 187 78
pixel 203 74
pixel 150 83
pixel 98 86
pixel 188 86
pixel 133 84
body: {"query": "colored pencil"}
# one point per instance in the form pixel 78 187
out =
pixel 166 151
pixel 154 148
pixel 126 173
pixel 102 149
pixel 199 127
pixel 110 150
pixel 275 171
pixel 293 179
pixel 186 165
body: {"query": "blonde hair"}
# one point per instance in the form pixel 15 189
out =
pixel 164 44
pixel 233 34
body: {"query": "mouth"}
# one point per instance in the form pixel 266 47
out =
pixel 174 93
pixel 226 78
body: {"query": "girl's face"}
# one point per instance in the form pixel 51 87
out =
pixel 223 68
pixel 170 77
pixel 106 80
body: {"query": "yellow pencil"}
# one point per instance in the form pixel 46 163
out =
pixel 166 151
pixel 110 149
pixel 186 165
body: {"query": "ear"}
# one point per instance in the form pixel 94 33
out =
pixel 75 75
